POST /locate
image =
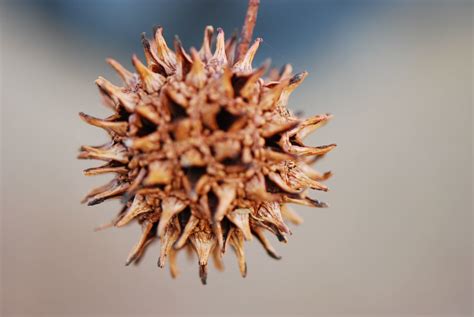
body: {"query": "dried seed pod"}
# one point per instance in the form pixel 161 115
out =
pixel 204 151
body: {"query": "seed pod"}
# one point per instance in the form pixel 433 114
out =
pixel 204 150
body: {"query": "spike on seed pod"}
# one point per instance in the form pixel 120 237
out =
pixel 197 75
pixel 204 151
pixel 150 80
pixel 219 58
pixel 129 78
pixel 245 63
pixel 205 52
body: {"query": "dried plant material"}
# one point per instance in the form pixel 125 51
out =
pixel 204 150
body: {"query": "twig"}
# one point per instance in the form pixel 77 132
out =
pixel 247 29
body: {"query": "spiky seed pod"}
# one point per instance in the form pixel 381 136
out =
pixel 204 150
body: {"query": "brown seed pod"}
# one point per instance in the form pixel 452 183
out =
pixel 204 150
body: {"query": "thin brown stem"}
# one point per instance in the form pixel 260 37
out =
pixel 247 29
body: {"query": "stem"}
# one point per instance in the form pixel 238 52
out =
pixel 247 29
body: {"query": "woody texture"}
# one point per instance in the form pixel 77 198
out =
pixel 204 151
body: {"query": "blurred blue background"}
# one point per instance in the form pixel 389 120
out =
pixel 289 30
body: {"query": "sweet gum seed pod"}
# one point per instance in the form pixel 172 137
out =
pixel 204 150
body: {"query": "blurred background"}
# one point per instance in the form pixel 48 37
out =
pixel 397 239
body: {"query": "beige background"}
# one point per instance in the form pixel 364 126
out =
pixel 397 239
